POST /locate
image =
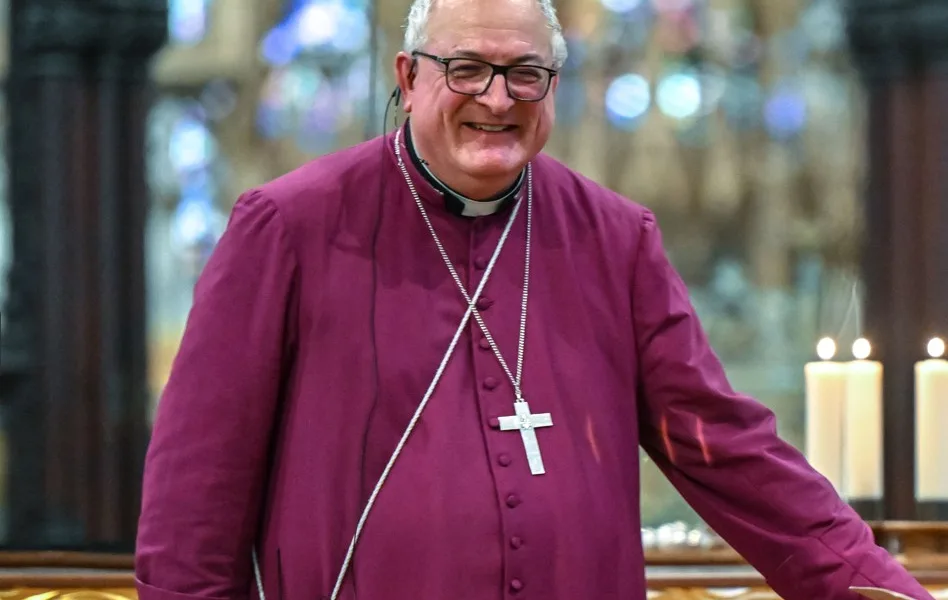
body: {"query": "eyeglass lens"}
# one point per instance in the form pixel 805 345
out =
pixel 473 77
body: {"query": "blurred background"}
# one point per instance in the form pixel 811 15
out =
pixel 741 123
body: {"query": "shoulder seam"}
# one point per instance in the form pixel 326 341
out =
pixel 286 237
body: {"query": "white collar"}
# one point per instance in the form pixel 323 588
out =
pixel 472 208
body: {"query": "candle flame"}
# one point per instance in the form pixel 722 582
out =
pixel 862 349
pixel 826 348
pixel 936 347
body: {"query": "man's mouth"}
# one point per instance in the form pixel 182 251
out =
pixel 490 128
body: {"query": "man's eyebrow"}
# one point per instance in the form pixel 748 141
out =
pixel 530 57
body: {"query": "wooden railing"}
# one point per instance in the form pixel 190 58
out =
pixel 715 574
pixel 665 583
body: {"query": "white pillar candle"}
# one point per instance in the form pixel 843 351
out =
pixel 931 419
pixel 862 430
pixel 825 399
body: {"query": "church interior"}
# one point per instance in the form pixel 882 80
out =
pixel 795 151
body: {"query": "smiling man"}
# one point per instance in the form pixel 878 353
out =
pixel 422 368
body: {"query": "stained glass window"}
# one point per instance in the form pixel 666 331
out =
pixel 185 222
pixel 317 90
pixel 302 90
pixel 185 168
pixel 188 20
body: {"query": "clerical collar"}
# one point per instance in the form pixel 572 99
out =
pixel 456 203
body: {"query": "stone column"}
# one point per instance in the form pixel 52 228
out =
pixel 901 49
pixel 73 358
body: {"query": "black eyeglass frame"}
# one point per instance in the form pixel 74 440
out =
pixel 495 71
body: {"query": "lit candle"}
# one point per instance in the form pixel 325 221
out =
pixel 825 398
pixel 862 429
pixel 931 418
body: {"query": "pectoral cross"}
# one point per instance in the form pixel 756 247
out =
pixel 527 424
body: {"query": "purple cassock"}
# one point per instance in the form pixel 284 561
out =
pixel 317 327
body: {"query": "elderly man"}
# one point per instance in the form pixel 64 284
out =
pixel 421 369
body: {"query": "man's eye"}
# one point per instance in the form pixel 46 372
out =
pixel 466 70
pixel 527 75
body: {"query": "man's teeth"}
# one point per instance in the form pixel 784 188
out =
pixel 491 128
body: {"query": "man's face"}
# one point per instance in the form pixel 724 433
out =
pixel 445 123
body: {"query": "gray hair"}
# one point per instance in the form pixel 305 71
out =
pixel 416 28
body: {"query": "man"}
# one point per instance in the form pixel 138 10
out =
pixel 355 413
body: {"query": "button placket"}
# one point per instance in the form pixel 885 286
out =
pixel 483 303
pixel 495 396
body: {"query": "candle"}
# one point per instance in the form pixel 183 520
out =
pixel 862 426
pixel 931 418
pixel 825 398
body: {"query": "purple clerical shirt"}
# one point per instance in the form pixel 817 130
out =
pixel 319 323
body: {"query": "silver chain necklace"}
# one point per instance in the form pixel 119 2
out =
pixel 514 380
pixel 523 421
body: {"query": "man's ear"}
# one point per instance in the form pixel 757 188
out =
pixel 404 77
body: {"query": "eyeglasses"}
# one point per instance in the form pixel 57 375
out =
pixel 472 77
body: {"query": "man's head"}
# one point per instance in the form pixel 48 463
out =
pixel 451 121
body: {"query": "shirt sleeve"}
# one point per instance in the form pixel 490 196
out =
pixel 720 449
pixel 207 459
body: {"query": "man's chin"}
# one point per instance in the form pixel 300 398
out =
pixel 493 172
pixel 493 165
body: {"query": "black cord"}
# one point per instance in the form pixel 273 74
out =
pixel 396 98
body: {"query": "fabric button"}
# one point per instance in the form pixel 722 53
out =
pixel 481 262
pixel 491 383
pixel 493 422
pixel 504 460
pixel 513 500
pixel 516 542
pixel 516 585
pixel 484 344
pixel 484 303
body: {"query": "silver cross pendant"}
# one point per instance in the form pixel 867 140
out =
pixel 527 424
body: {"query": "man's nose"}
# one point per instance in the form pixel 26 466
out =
pixel 495 97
